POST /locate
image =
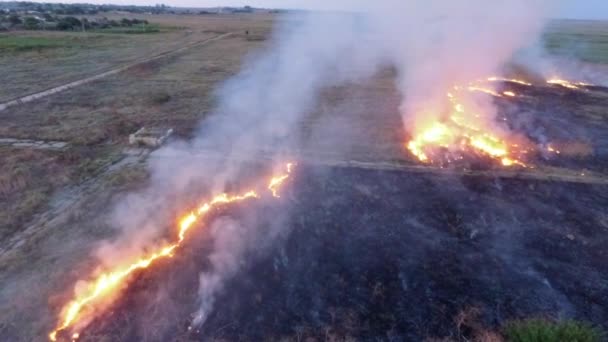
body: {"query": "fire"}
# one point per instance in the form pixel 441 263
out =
pixel 276 182
pixel 462 130
pixel 511 80
pixel 86 305
pixel 553 150
pixel 484 90
pixel 568 84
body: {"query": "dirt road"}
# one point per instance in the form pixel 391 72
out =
pixel 540 173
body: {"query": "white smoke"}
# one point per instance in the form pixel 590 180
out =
pixel 439 44
pixel 433 44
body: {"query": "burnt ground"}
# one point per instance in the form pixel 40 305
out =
pixel 572 121
pixel 377 255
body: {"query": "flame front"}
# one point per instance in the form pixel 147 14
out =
pixel 276 182
pixel 463 130
pixel 108 283
pixel 568 84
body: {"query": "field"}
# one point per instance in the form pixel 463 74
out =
pixel 583 40
pixel 166 77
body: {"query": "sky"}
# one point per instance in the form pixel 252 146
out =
pixel 575 9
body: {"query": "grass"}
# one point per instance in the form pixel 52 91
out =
pixel 584 40
pixel 539 330
pixel 28 179
pixel 136 29
pixel 26 43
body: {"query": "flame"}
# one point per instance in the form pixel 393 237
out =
pixel 511 80
pixel 462 130
pixel 563 83
pixel 108 283
pixel 568 84
pixel 276 182
pixel 553 150
pixel 484 90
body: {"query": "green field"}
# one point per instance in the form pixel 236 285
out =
pixel 26 43
pixel 583 40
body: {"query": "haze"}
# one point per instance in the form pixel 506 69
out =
pixel 574 9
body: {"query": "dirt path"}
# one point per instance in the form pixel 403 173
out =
pixel 541 173
pixel 58 89
pixel 35 144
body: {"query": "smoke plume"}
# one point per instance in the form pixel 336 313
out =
pixel 433 45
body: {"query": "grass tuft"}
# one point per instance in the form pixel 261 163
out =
pixel 539 330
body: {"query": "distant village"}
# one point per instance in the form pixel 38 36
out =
pixel 19 15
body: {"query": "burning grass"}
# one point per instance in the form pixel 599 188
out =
pixel 455 246
pixel 461 131
pixel 461 134
pixel 96 295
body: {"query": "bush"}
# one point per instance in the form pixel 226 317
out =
pixel 31 23
pixel 69 23
pixel 538 330
pixel 14 19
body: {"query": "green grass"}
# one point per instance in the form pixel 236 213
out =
pixel 71 40
pixel 24 43
pixel 538 330
pixel 135 29
pixel 584 40
pixel 589 48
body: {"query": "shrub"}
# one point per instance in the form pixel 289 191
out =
pixel 539 330
pixel 31 23
pixel 14 19
pixel 69 23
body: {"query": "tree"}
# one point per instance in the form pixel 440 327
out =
pixel 14 19
pixel 31 23
pixel 68 23
pixel 48 17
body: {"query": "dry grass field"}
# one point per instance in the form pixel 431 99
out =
pixel 96 118
pixel 53 197
pixel 50 195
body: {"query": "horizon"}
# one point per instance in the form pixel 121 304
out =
pixel 564 9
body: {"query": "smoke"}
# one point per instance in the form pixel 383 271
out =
pixel 433 45
pixel 437 45
pixel 544 64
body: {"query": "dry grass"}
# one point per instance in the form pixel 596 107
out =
pixel 23 185
pixel 29 177
pixel 96 119
pixel 175 91
pixel 62 57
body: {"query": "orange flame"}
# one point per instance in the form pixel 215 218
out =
pixel 107 283
pixel 484 90
pixel 276 182
pixel 511 80
pixel 563 83
pixel 568 84
pixel 462 130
